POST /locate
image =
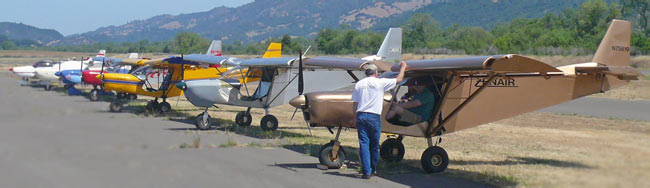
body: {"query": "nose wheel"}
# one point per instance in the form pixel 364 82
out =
pixel 331 155
pixel 202 121
pixel 116 106
pixel 93 95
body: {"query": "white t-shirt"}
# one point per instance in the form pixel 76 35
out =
pixel 369 93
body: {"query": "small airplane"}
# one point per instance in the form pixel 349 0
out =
pixel 70 78
pixel 27 72
pixel 471 91
pixel 155 78
pixel 277 81
pixel 47 74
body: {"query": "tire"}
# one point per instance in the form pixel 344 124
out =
pixel 93 95
pixel 152 107
pixel 116 106
pixel 243 119
pixel 325 153
pixel 434 160
pixel 165 107
pixel 200 124
pixel 269 123
pixel 391 150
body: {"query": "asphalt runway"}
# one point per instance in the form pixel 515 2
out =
pixel 48 139
pixel 604 108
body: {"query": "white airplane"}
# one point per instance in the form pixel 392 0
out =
pixel 47 75
pixel 280 78
pixel 29 71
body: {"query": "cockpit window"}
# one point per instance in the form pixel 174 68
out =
pixel 43 63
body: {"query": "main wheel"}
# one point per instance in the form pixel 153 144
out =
pixel 165 107
pixel 243 119
pixel 116 106
pixel 93 95
pixel 200 124
pixel 391 150
pixel 326 158
pixel 269 123
pixel 434 160
pixel 152 107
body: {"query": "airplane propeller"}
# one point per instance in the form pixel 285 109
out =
pixel 301 87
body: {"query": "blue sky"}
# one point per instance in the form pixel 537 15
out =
pixel 78 16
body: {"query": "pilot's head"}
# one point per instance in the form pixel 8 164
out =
pixel 371 70
pixel 417 86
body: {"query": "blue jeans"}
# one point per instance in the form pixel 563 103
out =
pixel 369 132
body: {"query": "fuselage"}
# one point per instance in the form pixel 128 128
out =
pixel 49 73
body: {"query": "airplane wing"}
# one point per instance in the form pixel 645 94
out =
pixel 346 63
pixel 498 63
pixel 202 58
pixel 269 62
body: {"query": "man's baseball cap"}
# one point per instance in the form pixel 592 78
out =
pixel 371 69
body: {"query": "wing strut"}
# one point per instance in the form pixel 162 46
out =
pixel 353 76
pixel 430 131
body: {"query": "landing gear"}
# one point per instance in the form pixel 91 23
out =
pixel 269 123
pixel 132 96
pixel 332 154
pixel 164 107
pixel 152 107
pixel 116 106
pixel 392 150
pixel 48 87
pixel 202 121
pixel 434 159
pixel 93 95
pixel 120 95
pixel 243 118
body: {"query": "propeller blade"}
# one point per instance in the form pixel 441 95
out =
pixel 301 84
pixel 294 114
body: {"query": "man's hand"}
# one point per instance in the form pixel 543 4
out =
pixel 402 69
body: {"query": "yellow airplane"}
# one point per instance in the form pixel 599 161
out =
pixel 156 78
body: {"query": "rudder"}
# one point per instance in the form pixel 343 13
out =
pixel 274 50
pixel 614 49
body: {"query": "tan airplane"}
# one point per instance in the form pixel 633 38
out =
pixel 472 91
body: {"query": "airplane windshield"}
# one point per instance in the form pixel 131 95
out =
pixel 44 63
pixel 141 73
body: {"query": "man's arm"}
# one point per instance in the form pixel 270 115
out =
pixel 402 69
pixel 410 104
pixel 354 107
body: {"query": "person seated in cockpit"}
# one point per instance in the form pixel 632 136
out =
pixel 417 110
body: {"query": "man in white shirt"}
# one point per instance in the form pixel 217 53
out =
pixel 368 97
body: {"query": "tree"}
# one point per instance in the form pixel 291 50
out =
pixel 421 31
pixel 186 43
pixel 8 45
pixel 641 7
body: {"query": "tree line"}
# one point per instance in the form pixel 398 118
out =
pixel 571 32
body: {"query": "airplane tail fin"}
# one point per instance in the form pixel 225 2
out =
pixel 614 49
pixel 215 48
pixel 274 50
pixel 101 53
pixel 391 48
pixel 133 56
